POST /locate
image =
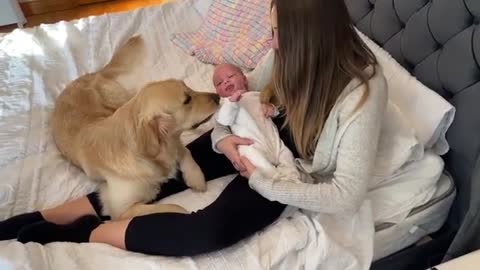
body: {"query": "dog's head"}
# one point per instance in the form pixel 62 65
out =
pixel 170 107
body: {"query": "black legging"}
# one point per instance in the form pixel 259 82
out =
pixel 236 214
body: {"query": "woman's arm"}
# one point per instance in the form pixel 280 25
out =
pixel 347 189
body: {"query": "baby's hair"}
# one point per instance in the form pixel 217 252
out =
pixel 230 65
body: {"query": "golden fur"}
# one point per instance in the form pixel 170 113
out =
pixel 267 95
pixel 129 142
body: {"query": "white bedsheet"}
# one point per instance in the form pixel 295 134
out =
pixel 35 66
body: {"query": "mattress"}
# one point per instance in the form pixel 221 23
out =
pixel 421 221
pixel 35 66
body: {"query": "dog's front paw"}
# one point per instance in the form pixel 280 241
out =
pixel 192 175
pixel 195 179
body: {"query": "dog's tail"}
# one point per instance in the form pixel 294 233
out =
pixel 128 65
pixel 128 56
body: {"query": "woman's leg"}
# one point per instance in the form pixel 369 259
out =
pixel 112 233
pixel 69 211
pixel 63 214
pixel 237 213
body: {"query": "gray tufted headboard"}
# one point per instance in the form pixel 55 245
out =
pixel 438 41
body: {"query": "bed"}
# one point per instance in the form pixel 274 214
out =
pixel 35 65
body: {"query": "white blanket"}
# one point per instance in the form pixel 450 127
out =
pixel 425 110
pixel 35 66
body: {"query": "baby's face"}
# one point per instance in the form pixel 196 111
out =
pixel 228 79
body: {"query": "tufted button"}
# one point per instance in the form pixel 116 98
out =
pixel 476 20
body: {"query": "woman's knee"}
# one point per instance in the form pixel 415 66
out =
pixel 112 233
pixel 177 234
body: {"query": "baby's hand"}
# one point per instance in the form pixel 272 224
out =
pixel 269 110
pixel 235 97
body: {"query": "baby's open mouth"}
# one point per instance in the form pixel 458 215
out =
pixel 230 87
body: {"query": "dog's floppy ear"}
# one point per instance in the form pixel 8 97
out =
pixel 153 133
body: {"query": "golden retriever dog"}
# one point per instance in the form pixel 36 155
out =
pixel 130 142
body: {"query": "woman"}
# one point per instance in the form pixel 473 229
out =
pixel 333 100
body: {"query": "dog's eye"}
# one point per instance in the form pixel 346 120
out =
pixel 187 100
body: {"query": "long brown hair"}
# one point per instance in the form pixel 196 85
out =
pixel 319 54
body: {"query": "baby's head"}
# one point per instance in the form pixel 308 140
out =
pixel 228 79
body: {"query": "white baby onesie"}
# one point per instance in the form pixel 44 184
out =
pixel 268 152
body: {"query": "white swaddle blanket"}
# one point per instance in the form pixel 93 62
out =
pixel 268 152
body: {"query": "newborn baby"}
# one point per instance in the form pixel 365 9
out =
pixel 247 117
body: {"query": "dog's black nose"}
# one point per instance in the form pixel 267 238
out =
pixel 216 99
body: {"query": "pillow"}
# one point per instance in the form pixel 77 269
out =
pixel 233 31
pixel 429 113
pixel 259 77
pixel 202 6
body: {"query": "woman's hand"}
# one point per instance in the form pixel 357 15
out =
pixel 249 167
pixel 229 147
pixel 268 110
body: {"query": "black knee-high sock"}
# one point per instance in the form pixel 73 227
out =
pixel 45 232
pixel 9 228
